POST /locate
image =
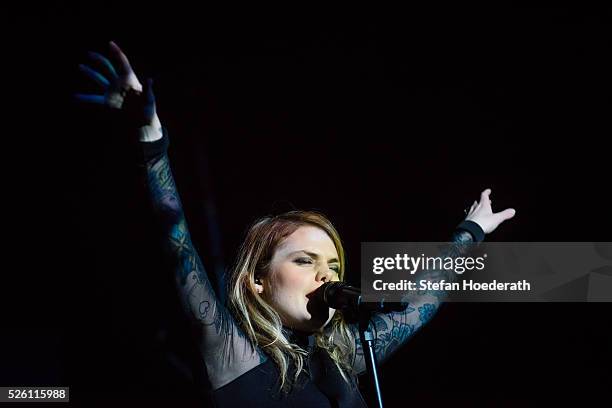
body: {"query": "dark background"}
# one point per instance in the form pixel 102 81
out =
pixel 390 123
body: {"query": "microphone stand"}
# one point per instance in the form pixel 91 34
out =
pixel 350 302
pixel 367 344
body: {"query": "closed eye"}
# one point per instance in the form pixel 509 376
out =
pixel 303 261
pixel 310 261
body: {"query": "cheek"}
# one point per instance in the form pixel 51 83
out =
pixel 291 282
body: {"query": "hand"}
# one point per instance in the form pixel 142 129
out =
pixel 122 89
pixel 482 213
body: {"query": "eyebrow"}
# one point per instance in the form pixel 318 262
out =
pixel 317 256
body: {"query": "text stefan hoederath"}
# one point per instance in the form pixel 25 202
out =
pixel 458 265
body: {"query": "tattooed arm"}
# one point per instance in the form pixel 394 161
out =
pixel 227 353
pixel 393 329
pixel 225 350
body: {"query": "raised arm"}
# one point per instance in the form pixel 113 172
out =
pixel 394 329
pixel 226 352
pixel 197 294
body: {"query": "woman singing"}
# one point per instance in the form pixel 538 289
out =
pixel 273 344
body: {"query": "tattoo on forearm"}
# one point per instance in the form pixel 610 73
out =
pixel 395 328
pixel 194 284
pixel 221 339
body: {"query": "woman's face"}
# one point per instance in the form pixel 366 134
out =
pixel 303 262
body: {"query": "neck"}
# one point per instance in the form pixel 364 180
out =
pixel 306 340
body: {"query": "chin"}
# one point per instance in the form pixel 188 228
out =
pixel 313 317
pixel 317 322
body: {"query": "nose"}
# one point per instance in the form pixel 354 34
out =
pixel 325 275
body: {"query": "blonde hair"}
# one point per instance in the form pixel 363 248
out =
pixel 259 321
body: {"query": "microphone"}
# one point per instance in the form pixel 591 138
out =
pixel 348 299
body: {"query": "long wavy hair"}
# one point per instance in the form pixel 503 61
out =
pixel 259 321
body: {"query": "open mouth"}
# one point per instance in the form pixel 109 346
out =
pixel 313 293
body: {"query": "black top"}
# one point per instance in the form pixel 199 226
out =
pixel 322 386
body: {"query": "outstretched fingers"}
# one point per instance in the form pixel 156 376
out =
pixel 473 207
pixel 482 213
pixel 123 62
pixel 95 76
pixel 88 98
pixel 104 63
pixel 485 197
pixel 127 77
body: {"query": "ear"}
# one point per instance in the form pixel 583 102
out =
pixel 259 285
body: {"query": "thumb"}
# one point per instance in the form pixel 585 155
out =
pixel 506 214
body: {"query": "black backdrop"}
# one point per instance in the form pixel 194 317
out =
pixel 390 124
